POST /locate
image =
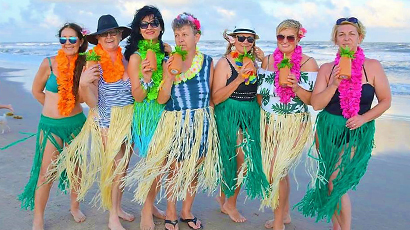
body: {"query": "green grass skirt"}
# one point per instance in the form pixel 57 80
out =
pixel 342 149
pixel 240 117
pixel 59 132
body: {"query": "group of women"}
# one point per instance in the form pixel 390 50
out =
pixel 231 126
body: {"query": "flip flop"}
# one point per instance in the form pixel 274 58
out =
pixel 173 222
pixel 194 220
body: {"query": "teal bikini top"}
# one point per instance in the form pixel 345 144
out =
pixel 51 84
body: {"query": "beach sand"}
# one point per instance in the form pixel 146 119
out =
pixel 381 201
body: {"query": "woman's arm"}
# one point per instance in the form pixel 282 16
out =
pixel 88 89
pixel 324 90
pixel 221 91
pixel 134 66
pixel 304 95
pixel 383 94
pixel 40 80
pixel 164 92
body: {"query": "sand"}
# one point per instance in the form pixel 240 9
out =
pixel 380 202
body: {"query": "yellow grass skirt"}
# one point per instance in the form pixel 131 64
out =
pixel 283 138
pixel 184 149
pixel 91 155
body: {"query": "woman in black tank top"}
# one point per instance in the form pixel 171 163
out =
pixel 345 127
pixel 237 117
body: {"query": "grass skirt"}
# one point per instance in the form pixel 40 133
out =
pixel 146 118
pixel 58 132
pixel 340 149
pixel 88 160
pixel 184 146
pixel 234 118
pixel 283 138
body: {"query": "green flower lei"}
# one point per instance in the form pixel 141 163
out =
pixel 143 46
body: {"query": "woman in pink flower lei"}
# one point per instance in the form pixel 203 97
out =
pixel 345 128
pixel 285 119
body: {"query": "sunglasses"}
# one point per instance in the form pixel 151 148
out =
pixel 243 38
pixel 281 37
pixel 351 19
pixel 153 24
pixel 111 32
pixel 72 40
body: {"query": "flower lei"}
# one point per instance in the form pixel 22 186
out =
pixel 285 93
pixel 143 47
pixel 251 78
pixel 351 89
pixel 196 66
pixel 65 67
pixel 112 72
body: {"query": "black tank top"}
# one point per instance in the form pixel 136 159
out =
pixel 366 98
pixel 243 92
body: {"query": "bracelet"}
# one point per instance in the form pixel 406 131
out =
pixel 145 85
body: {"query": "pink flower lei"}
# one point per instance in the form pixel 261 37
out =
pixel 351 89
pixel 285 93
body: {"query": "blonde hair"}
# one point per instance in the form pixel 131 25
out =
pixel 289 24
pixel 230 45
pixel 361 30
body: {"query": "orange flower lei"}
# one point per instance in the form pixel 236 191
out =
pixel 112 72
pixel 65 67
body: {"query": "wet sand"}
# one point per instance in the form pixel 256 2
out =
pixel 381 201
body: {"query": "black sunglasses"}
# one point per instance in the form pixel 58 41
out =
pixel 111 32
pixel 153 24
pixel 243 38
pixel 281 37
pixel 351 19
pixel 72 40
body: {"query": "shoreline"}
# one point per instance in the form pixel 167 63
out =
pixel 380 201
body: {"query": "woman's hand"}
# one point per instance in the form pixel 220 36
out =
pixel 146 70
pixel 90 76
pixel 355 122
pixel 259 53
pixel 335 76
pixel 242 72
pixel 293 83
pixel 169 76
pixel 167 48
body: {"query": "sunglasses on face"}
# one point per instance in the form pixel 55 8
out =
pixel 72 40
pixel 153 24
pixel 351 19
pixel 243 38
pixel 111 32
pixel 281 37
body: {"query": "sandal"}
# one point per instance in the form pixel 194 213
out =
pixel 173 222
pixel 187 221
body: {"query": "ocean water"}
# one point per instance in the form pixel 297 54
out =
pixel 394 57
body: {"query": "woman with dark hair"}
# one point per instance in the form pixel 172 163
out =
pixel 345 127
pixel 147 29
pixel 184 148
pixel 234 95
pixel 55 86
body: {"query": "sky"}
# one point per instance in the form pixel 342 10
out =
pixel 39 20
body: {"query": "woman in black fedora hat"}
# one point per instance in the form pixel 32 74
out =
pixel 234 95
pixel 104 145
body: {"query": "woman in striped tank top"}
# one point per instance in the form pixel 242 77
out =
pixel 103 146
pixel 184 148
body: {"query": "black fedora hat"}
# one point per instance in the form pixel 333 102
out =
pixel 106 23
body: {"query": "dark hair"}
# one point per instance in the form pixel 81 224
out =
pixel 135 37
pixel 79 64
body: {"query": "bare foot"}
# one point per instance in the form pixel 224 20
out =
pixel 234 213
pixel 147 222
pixel 78 215
pixel 158 213
pixel 115 224
pixel 125 215
pixel 286 220
pixel 221 204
